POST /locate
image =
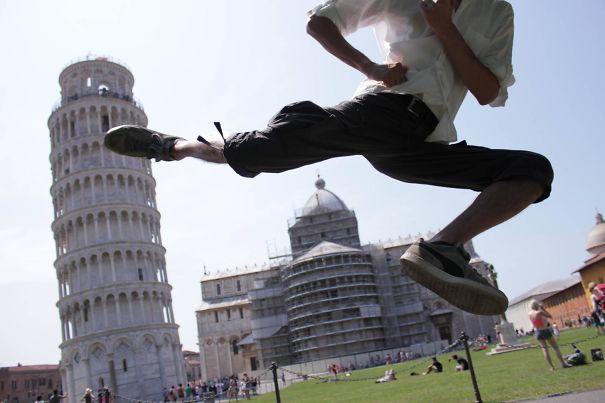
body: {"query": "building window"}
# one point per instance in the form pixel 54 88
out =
pixel 253 364
pixel 239 285
pixel 216 316
pixel 85 314
pixel 140 274
pixel 13 385
pixel 1 386
pixel 124 365
pixel 101 382
pixel 235 347
pixel 241 313
pixel 42 381
pixel 104 123
pixel 228 314
pixel 218 289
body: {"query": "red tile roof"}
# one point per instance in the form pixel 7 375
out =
pixel 31 368
pixel 591 261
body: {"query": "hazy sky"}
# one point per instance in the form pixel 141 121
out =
pixel 195 62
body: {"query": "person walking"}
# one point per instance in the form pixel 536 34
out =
pixel 538 316
pixel 597 299
pixel 402 121
pixel 88 396
pixel 56 397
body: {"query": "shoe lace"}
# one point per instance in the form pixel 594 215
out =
pixel 220 130
pixel 472 274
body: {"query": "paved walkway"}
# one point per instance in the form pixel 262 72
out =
pixel 589 396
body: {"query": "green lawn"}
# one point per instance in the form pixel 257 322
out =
pixel 510 376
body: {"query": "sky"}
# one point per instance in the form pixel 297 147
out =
pixel 239 62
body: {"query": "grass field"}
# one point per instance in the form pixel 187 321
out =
pixel 503 377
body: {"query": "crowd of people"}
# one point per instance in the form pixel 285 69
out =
pixel 230 387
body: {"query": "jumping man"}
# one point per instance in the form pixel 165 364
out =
pixel 401 121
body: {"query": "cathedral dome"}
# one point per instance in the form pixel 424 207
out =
pixel 322 201
pixel 595 242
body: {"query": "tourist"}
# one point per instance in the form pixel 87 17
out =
pixel 56 397
pixel 597 299
pixel 435 366
pixel 106 395
pixel 461 363
pixel 39 400
pixel 401 121
pixel 388 360
pixel 180 392
pixel 538 316
pixel 188 391
pixel 219 388
pixel 246 386
pixel 172 394
pixel 233 391
pixel 88 396
pixel 555 331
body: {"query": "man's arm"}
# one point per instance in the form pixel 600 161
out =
pixel 327 34
pixel 480 81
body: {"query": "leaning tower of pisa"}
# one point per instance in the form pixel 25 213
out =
pixel 117 323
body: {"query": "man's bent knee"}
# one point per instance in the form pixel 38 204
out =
pixel 536 172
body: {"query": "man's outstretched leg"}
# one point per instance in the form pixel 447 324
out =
pixel 138 141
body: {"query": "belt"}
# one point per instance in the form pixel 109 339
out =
pixel 427 119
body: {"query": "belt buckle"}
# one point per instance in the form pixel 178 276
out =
pixel 414 101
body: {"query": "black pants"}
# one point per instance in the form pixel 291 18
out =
pixel 389 131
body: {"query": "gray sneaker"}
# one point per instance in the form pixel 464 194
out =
pixel 138 141
pixel 444 269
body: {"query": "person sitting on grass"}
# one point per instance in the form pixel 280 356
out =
pixel 435 366
pixel 539 319
pixel 461 363
pixel 389 375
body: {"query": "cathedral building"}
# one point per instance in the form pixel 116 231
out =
pixel 332 297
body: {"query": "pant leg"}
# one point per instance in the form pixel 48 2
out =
pixel 304 133
pixel 464 166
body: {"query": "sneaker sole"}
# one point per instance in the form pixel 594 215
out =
pixel 468 295
pixel 116 136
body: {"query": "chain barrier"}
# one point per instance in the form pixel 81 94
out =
pixel 571 343
pixel 324 379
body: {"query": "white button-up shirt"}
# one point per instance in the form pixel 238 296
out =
pixel 404 36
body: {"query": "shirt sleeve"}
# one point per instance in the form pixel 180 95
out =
pixel 498 56
pixel 351 15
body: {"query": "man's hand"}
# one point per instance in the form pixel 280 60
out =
pixel 389 74
pixel 438 15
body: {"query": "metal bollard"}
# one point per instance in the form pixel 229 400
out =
pixel 275 382
pixel 464 339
